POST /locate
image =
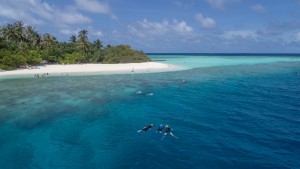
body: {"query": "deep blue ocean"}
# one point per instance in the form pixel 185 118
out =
pixel 237 113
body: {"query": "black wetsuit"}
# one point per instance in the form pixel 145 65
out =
pixel 147 128
pixel 168 129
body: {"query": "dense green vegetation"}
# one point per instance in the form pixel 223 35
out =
pixel 22 45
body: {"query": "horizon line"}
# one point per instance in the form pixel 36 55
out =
pixel 217 53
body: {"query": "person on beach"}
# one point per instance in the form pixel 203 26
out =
pixel 146 128
pixel 160 128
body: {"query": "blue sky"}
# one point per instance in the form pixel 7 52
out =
pixel 213 26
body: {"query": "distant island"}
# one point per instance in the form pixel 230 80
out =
pixel 23 46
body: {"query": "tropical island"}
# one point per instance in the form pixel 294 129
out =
pixel 22 47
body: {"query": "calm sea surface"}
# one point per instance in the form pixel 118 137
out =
pixel 227 111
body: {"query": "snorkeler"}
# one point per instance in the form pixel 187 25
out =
pixel 139 92
pixel 146 128
pixel 168 131
pixel 160 128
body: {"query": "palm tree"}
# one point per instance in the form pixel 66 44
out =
pixel 83 35
pixel 19 31
pixel 73 38
pixel 32 37
pixel 8 33
pixel 98 44
pixel 83 44
pixel 48 40
pixel 37 41
pixel 14 33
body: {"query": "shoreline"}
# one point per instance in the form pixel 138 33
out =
pixel 80 69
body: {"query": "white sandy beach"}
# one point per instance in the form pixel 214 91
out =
pixel 92 68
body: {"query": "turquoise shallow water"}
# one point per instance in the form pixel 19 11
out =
pixel 225 116
pixel 197 61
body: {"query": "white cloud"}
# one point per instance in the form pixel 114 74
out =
pixel 182 27
pixel 297 37
pixel 18 14
pixel 206 23
pixel 93 6
pixel 258 8
pixel 42 10
pixel 220 4
pixel 134 31
pixel 146 28
pixel 178 3
pixel 98 33
pixel 74 18
pixel 156 28
pixel 183 5
pixel 39 12
pixel 68 32
pixel 244 34
pixel 114 17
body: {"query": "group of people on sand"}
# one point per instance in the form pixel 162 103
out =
pixel 43 75
pixel 160 128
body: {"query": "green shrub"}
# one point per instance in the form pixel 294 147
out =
pixel 123 54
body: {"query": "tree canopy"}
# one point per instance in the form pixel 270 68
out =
pixel 22 45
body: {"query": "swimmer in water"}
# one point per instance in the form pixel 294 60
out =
pixel 139 92
pixel 146 128
pixel 168 131
pixel 160 128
